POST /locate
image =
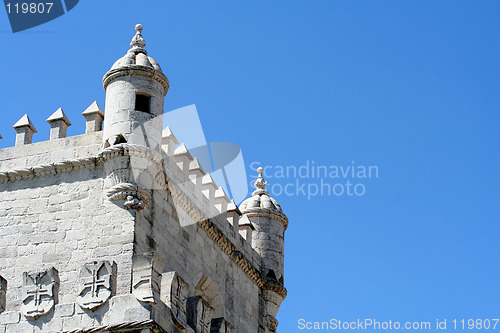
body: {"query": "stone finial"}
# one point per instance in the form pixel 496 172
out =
pixel 24 129
pixel 93 118
pixel 168 141
pixel 58 124
pixel 260 184
pixel 137 41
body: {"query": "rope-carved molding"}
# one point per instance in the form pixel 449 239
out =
pixel 123 327
pixel 263 212
pixel 128 149
pixel 47 170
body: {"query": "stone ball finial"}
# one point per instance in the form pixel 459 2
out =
pixel 260 183
pixel 138 42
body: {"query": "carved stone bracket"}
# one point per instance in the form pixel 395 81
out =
pixel 39 292
pixel 135 197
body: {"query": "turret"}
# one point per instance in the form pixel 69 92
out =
pixel 266 216
pixel 135 87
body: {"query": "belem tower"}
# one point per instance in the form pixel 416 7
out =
pixel 120 229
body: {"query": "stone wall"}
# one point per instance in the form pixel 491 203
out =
pixel 54 213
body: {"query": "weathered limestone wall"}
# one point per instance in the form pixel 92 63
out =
pixel 60 221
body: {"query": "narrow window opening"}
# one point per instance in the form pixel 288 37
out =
pixel 142 103
pixel 271 275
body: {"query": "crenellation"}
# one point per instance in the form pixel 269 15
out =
pixel 58 124
pixel 168 141
pixel 221 200
pixel 182 158
pixel 208 187
pixel 93 118
pixel 196 174
pixel 246 228
pixel 233 215
pixel 24 131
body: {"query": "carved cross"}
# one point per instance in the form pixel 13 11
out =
pixel 96 278
pixel 204 321
pixel 37 290
pixel 94 281
pixel 179 299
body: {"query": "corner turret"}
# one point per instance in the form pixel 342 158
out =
pixel 266 216
pixel 135 87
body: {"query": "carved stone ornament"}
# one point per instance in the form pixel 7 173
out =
pixel 39 292
pixel 97 279
pixel 174 294
pixel 199 314
pixel 145 278
pixel 271 323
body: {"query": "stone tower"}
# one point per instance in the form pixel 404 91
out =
pixel 121 230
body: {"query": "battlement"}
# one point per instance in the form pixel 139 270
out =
pixel 61 154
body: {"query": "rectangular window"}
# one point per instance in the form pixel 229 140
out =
pixel 142 103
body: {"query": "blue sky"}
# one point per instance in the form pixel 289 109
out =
pixel 408 86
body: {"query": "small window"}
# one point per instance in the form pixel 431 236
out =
pixel 142 103
pixel 271 275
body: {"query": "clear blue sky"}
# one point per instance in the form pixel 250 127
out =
pixel 411 87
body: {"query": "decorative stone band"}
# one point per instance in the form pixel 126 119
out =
pixel 47 170
pixel 80 164
pixel 123 327
pixel 271 323
pixel 136 70
pixel 128 149
pixel 240 260
pixel 264 212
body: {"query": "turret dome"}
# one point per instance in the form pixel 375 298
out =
pixel 137 55
pixel 260 197
pixel 137 59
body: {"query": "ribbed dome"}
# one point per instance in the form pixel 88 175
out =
pixel 260 201
pixel 260 197
pixel 137 55
pixel 136 58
